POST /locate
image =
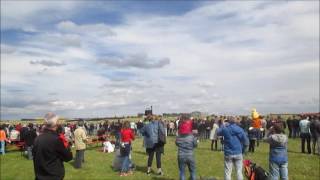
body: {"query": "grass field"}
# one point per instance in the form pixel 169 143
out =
pixel 209 164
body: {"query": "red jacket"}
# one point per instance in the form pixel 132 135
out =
pixel 127 135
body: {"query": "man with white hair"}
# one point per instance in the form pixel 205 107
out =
pixel 49 153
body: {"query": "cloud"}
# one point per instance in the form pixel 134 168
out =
pixel 141 61
pixel 223 57
pixel 48 63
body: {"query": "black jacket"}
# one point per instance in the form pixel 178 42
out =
pixel 30 137
pixel 48 156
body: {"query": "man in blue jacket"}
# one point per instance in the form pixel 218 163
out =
pixel 235 144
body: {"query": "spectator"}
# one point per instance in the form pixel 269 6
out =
pixel 127 135
pixel 235 144
pixel 290 126
pixel 186 142
pixel 305 134
pixel 252 133
pixel 3 139
pixel 80 138
pixel 278 155
pixel 49 152
pixel 30 136
pixel 151 138
pixel 314 135
pixel 296 128
pixel 213 135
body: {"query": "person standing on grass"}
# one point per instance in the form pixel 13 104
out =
pixel 49 153
pixel 235 144
pixel 29 138
pixel 213 135
pixel 80 137
pixel 151 132
pixel 305 134
pixel 127 135
pixel 252 134
pixel 3 139
pixel 278 154
pixel 186 142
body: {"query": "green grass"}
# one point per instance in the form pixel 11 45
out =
pixel 208 163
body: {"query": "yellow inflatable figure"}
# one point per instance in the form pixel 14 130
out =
pixel 256 121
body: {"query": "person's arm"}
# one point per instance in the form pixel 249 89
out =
pixel 84 136
pixel 64 154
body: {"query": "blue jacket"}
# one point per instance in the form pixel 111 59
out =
pixel 186 144
pixel 235 139
pixel 150 133
pixel 278 148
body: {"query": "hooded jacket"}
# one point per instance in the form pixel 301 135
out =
pixel 186 143
pixel 278 148
pixel 150 133
pixel 235 139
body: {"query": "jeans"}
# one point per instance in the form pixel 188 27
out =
pixel 79 158
pixel 125 164
pixel 190 162
pixel 229 161
pixel 29 150
pixel 2 147
pixel 278 170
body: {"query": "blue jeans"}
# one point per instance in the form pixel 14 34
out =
pixel 229 161
pixel 2 147
pixel 278 170
pixel 125 164
pixel 190 162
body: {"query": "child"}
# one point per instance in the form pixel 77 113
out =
pixel 252 134
pixel 127 136
pixel 278 155
pixel 186 142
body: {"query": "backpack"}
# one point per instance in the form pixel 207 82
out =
pixel 161 136
pixel 254 172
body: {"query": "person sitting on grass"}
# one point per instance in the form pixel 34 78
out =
pixel 186 142
pixel 278 154
pixel 127 135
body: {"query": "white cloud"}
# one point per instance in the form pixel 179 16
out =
pixel 225 57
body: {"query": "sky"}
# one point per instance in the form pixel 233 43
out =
pixel 107 58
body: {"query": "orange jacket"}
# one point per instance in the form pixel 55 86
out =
pixel 256 123
pixel 3 136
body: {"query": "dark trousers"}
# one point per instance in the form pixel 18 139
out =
pixel 314 143
pixel 215 142
pixel 79 158
pixel 290 132
pixel 158 158
pixel 304 137
pixel 251 145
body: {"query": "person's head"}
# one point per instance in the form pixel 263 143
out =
pixel 51 120
pixel 184 117
pixel 126 125
pixel 30 125
pixel 277 128
pixel 60 129
pixel 81 123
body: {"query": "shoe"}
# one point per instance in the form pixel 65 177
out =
pixel 123 174
pixel 160 173
pixel 149 173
